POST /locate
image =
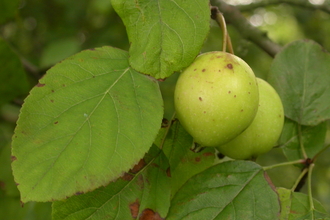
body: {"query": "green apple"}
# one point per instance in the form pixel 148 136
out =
pixel 216 98
pixel 263 133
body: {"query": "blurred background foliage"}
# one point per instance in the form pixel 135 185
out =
pixel 41 33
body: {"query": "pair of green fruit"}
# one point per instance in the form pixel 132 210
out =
pixel 221 103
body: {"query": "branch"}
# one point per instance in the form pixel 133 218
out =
pixel 234 17
pixel 300 3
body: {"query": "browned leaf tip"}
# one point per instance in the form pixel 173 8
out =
pixel 269 182
pixel 138 166
pixel 40 85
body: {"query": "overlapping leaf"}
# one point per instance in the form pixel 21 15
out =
pixel 184 162
pixel 165 35
pixel 229 190
pixel 90 119
pixel 312 138
pixel 144 190
pixel 300 74
pixel 296 205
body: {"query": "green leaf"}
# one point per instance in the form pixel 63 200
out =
pixel 165 36
pixel 88 120
pixel 143 190
pixel 8 9
pixel 183 161
pixel 229 190
pixel 300 74
pixel 296 205
pixel 312 137
pixel 13 80
pixel 177 143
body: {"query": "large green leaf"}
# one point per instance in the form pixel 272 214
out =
pixel 13 80
pixel 90 119
pixel 296 205
pixel 229 190
pixel 165 35
pixel 312 138
pixel 300 74
pixel 145 189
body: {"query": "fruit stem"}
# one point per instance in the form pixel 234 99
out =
pixel 219 18
pixel 311 202
pixel 283 164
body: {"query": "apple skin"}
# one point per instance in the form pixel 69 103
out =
pixel 216 98
pixel 266 128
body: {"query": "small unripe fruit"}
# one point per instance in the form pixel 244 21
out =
pixel 265 129
pixel 216 98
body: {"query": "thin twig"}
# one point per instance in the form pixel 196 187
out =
pixel 249 32
pixel 301 176
pixel 300 3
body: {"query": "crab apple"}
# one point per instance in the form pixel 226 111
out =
pixel 266 128
pixel 216 98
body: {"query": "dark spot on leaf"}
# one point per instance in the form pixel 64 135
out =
pixel 22 204
pixel 161 80
pixel 234 96
pixel 79 193
pixel 168 172
pixel 220 155
pixel 219 56
pixel 149 214
pixel 138 166
pixel 197 159
pixel 40 85
pixel 203 70
pixel 242 110
pixel 53 90
pixel 195 69
pixel 229 92
pixel 134 207
pixel 200 99
pixel 63 85
pixel 51 100
pixel 204 112
pixel 230 66
pixel 56 122
pixel 13 158
pixel 165 123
